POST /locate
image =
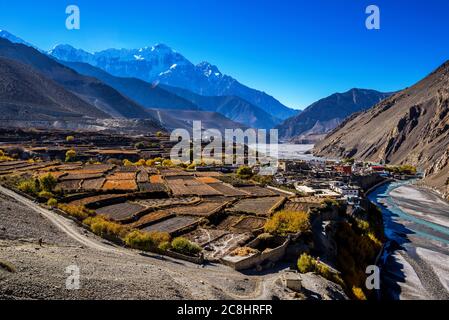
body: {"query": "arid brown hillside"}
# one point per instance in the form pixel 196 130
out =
pixel 411 127
pixel 26 94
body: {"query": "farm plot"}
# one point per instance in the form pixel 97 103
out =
pixel 80 176
pixel 228 222
pixel 208 174
pixel 257 191
pixel 151 218
pixel 174 173
pixel 173 225
pixel 257 206
pixel 249 224
pixel 203 236
pixel 300 206
pixel 142 176
pixel 121 211
pixel 208 180
pixel 120 185
pixel 228 190
pixel 152 187
pixel 203 209
pixel 157 179
pixel 122 176
pixel 69 185
pixel 225 244
pixel 91 200
pixel 93 184
pixel 180 187
pixel 160 203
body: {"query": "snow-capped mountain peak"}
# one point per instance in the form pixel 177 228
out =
pixel 208 69
pixel 10 37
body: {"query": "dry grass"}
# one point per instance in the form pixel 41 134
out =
pixel 125 185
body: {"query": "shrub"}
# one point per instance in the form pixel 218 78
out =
pixel 79 212
pixel 140 145
pixel 306 263
pixel 159 134
pixel 45 195
pixel 184 246
pixel 146 240
pixel 70 155
pixel 70 138
pixel 48 182
pixel 358 293
pixel 167 163
pixel 52 202
pixel 127 163
pixel 28 186
pixel 164 246
pixel 285 222
pixel 103 227
pixel 244 172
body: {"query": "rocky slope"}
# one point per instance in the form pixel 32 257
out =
pixel 412 127
pixel 26 94
pixel 232 107
pixel 326 114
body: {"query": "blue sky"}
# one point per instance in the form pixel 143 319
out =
pixel 297 51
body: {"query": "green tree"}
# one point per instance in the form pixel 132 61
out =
pixel 48 182
pixel 70 155
pixel 244 172
pixel 140 145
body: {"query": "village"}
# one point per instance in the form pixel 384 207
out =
pixel 126 190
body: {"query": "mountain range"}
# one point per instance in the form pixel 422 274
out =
pixel 326 114
pixel 410 127
pixel 161 64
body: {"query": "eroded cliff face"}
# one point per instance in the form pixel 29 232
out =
pixel 410 127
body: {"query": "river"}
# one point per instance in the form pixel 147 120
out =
pixel 415 264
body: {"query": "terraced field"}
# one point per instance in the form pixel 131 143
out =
pixel 160 203
pixel 249 224
pixel 190 186
pixel 257 206
pixel 257 191
pixel 120 185
pixel 228 190
pixel 121 211
pixel 93 199
pixel 151 218
pixel 203 209
pixel 172 225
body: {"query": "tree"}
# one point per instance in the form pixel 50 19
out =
pixel 159 134
pixel 287 222
pixel 70 155
pixel 244 172
pixel 70 139
pixel 140 145
pixel 48 182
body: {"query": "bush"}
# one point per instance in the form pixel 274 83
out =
pixel 140 145
pixel 70 138
pixel 286 222
pixel 103 227
pixel 45 195
pixel 164 246
pixel 79 212
pixel 146 240
pixel 306 263
pixel 184 246
pixel 28 186
pixel 48 182
pixel 244 172
pixel 358 293
pixel 70 155
pixel 52 202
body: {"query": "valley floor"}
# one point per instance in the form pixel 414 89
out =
pixel 416 262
